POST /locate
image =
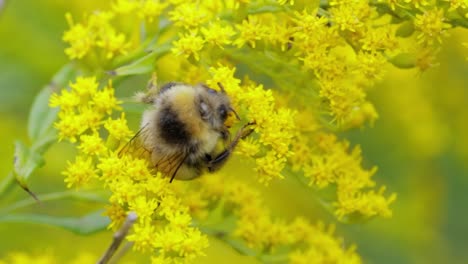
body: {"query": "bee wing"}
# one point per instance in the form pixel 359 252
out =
pixel 167 164
pixel 135 147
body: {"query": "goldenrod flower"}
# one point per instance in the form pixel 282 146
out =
pixel 67 100
pixel 250 31
pixel 80 39
pixel 143 237
pixel 92 145
pixel 117 215
pixel 118 128
pixel 189 15
pixel 149 10
pixel 218 34
pixel 80 172
pixel 188 45
pixel 313 70
pixel 432 26
pixel 70 126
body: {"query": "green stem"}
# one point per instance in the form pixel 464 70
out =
pixel 241 247
pixel 6 183
pixel 85 196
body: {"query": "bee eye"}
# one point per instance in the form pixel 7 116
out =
pixel 208 89
pixel 212 91
pixel 204 110
pixel 222 111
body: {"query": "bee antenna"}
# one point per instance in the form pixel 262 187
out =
pixel 235 113
pixel 221 87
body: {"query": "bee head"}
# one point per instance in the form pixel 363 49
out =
pixel 214 106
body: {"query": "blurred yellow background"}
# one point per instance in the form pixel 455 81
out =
pixel 419 143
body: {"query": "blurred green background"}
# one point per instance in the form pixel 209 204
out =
pixel 419 143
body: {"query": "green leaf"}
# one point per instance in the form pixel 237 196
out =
pixel 145 64
pixel 404 61
pixel 406 29
pixel 25 162
pixel 42 117
pixel 140 66
pixel 87 224
pixel 43 143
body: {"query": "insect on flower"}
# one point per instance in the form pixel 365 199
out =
pixel 181 131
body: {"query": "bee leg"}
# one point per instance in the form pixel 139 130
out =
pixel 217 162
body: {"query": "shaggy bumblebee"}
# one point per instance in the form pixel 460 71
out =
pixel 181 132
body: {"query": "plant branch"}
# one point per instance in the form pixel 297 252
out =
pixel 119 236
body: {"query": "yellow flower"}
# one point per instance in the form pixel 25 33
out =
pixel 91 117
pixel 188 45
pixel 80 39
pixel 269 167
pixel 379 38
pixel 137 169
pixel 92 145
pixel 104 100
pixel 350 16
pixel 370 67
pixel 70 126
pixel 431 26
pixel 143 237
pixel 67 100
pixel 217 34
pixel 113 43
pixel 144 208
pixel 84 87
pixel 189 15
pixel 80 172
pixel 331 163
pixel 193 244
pixel 118 128
pixel 248 147
pixel 250 31
pixel 111 167
pixel 117 215
pixel 123 190
pixel 149 10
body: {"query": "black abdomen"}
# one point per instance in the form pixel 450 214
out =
pixel 172 129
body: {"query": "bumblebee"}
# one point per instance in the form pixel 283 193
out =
pixel 181 131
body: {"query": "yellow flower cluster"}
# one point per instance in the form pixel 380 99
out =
pixel 431 26
pixel 97 32
pixel 164 224
pixel 321 58
pixel 328 161
pixel 313 41
pixel 274 126
pixel 310 243
pixel 83 108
